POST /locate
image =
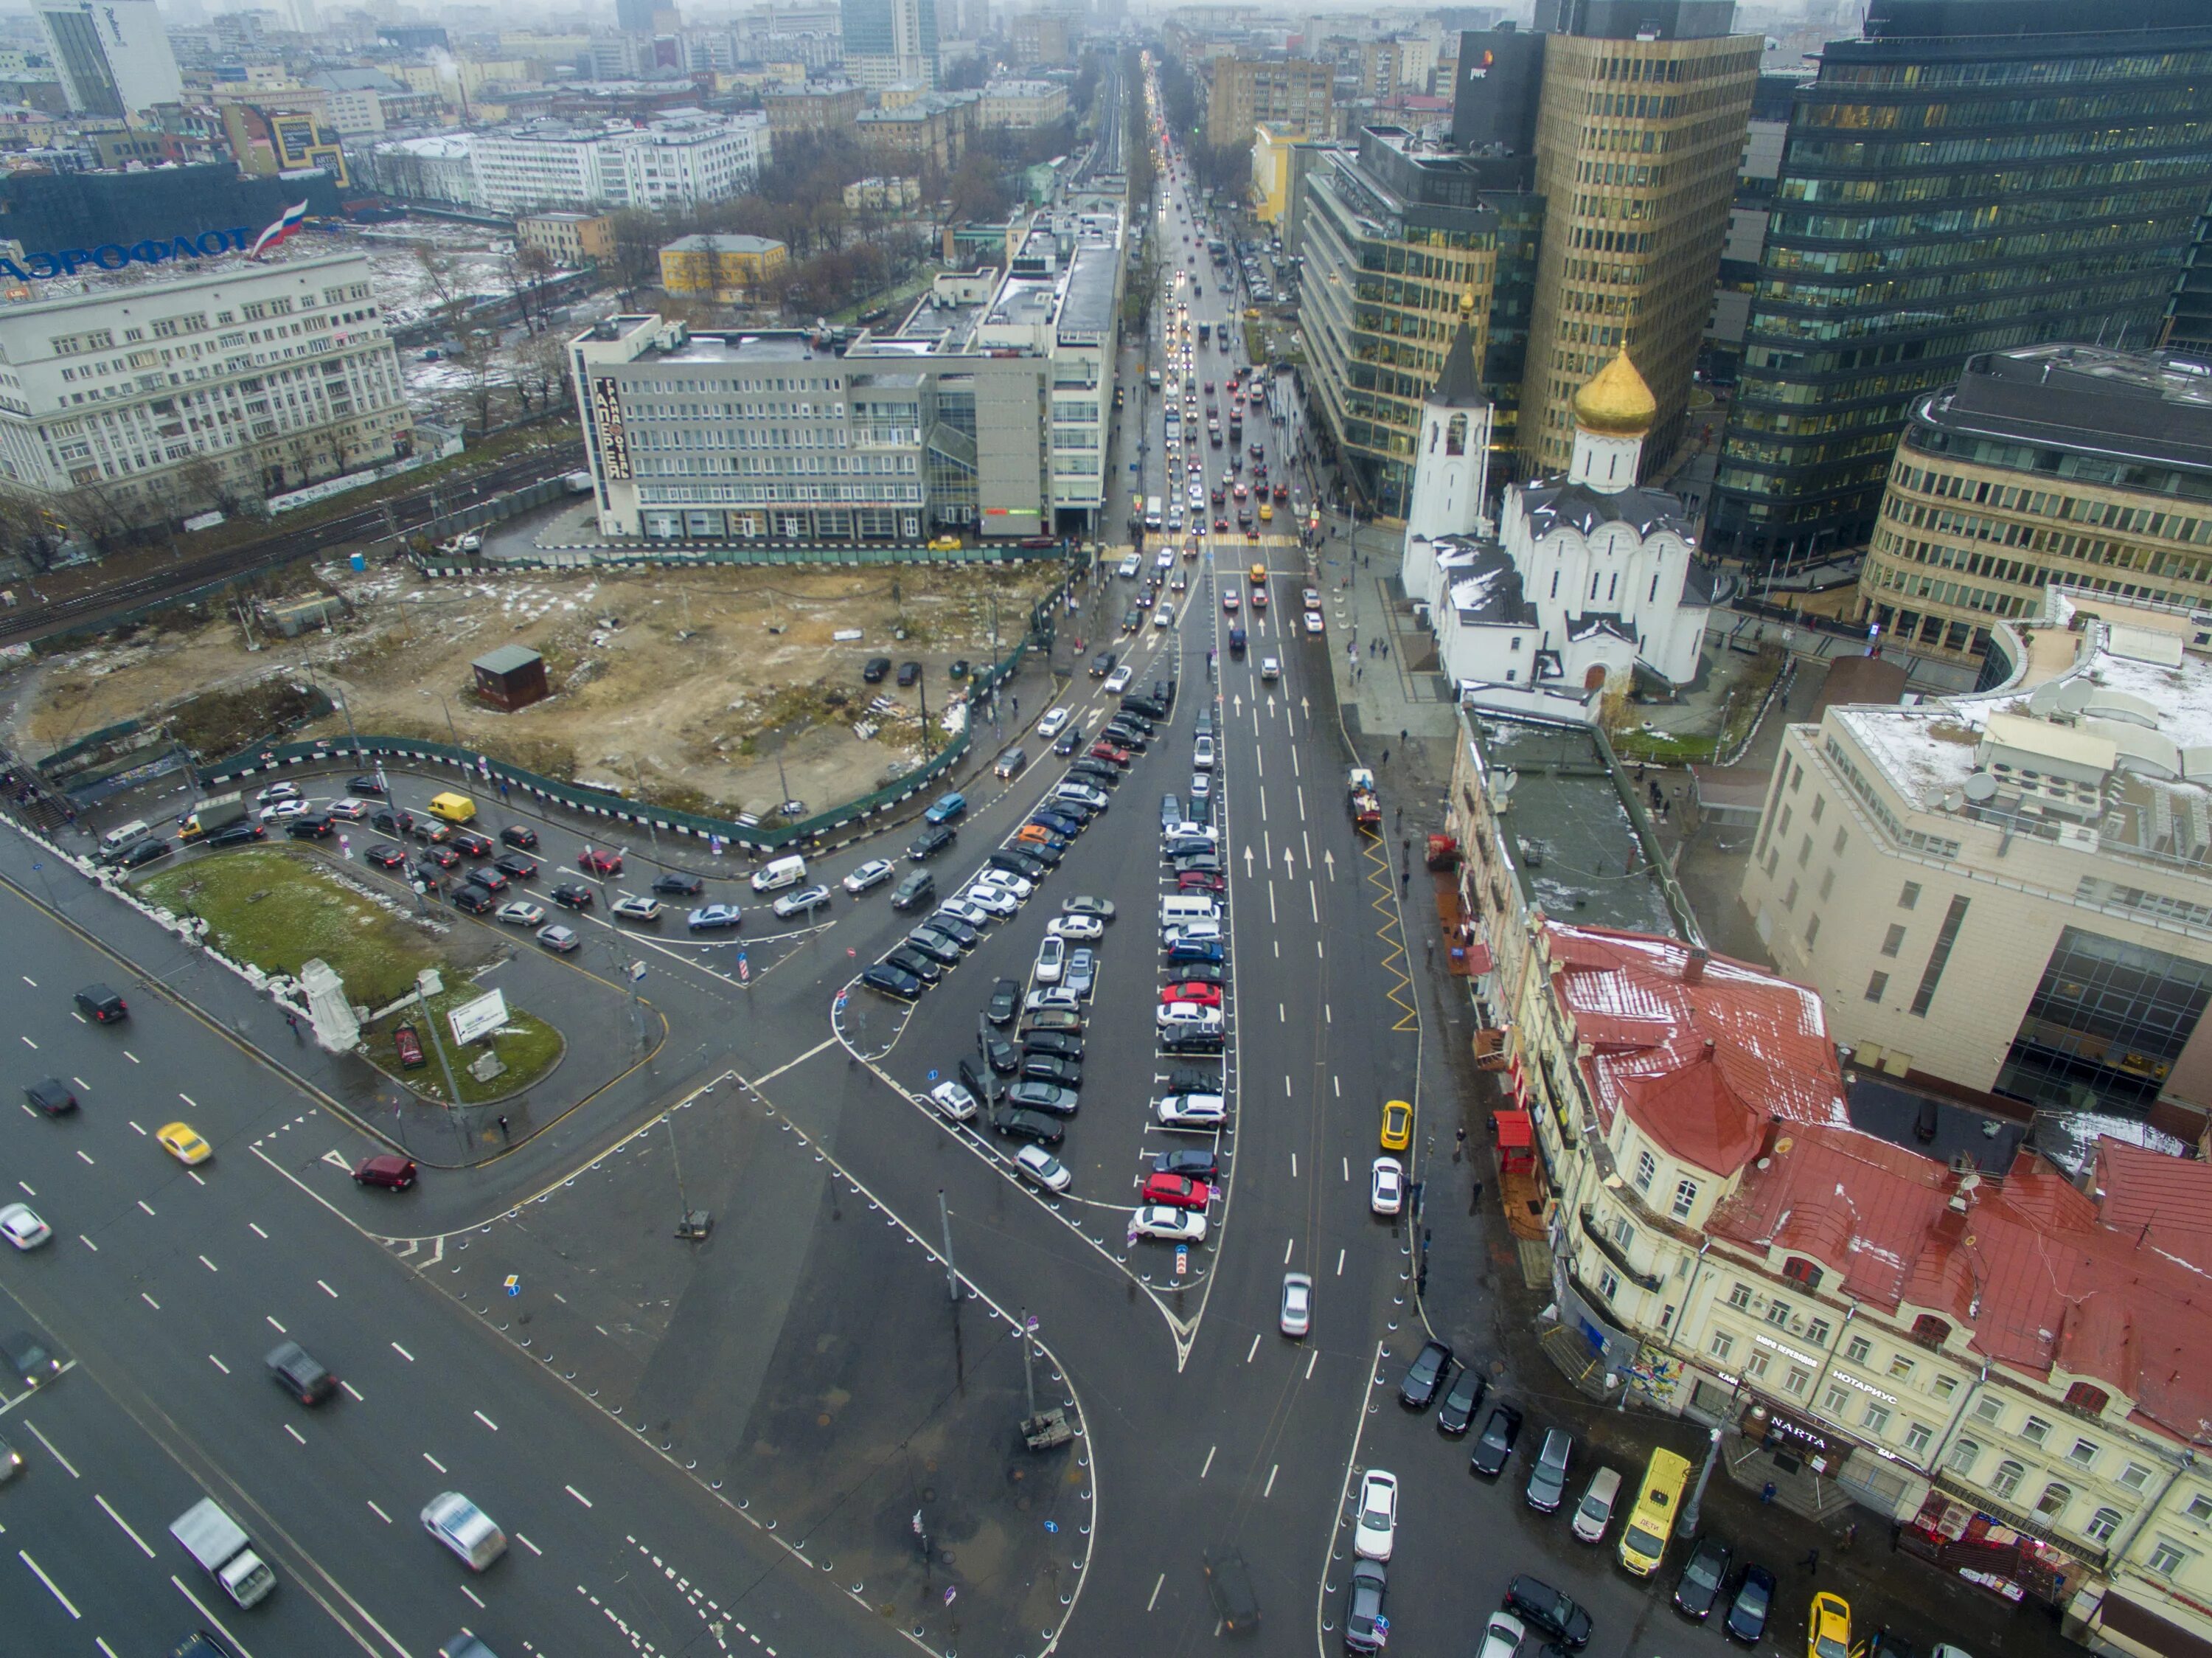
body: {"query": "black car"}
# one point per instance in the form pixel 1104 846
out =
pixel 1042 852
pixel 1229 1586
pixel 1104 773
pixel 102 1005
pixel 675 884
pixel 956 930
pixel 1365 1626
pixel 1164 693
pixel 1030 1125
pixel 1014 863
pixel 877 668
pixel 907 959
pixel 1197 1165
pixel 293 1368
pixel 1424 1375
pixel 27 1357
pixel 1538 1603
pixel 1495 1448
pixel 1058 1044
pixel 472 898
pixel 50 1095
pixel 1698 1589
pixel 572 895
pixel 1192 1079
pixel 521 836
pixel 1068 741
pixel 1196 863
pixel 909 674
pixel 1102 664
pixel 148 851
pixel 1126 736
pixel 1005 1001
pixel 892 981
pixel 1201 972
pixel 945 952
pixel 470 843
pixel 1191 1041
pixel 1461 1401
pixel 428 872
pixel 515 867
pixel 1150 707
pixel 986 1092
pixel 1132 619
pixel 930 842
pixel 1002 1056
pixel 1049 1068
pixel 235 834
pixel 393 823
pixel 1135 720
pixel 1754 1598
pixel 385 855
pixel 364 784
pixel 314 825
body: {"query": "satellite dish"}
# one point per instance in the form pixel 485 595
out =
pixel 1981 787
pixel 2075 695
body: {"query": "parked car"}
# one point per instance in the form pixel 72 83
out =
pixel 1704 1575
pixel 1594 1512
pixel 1375 1524
pixel 891 981
pixel 1418 1391
pixel 1494 1449
pixel 1547 1480
pixel 386 1169
pixel 1754 1599
pixel 1031 1125
pixel 1461 1401
pixel 1166 1225
pixel 1537 1603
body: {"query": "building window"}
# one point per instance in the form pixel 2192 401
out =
pixel 2035 1430
pixel 1909 898
pixel 1820 807
pixel 1944 1386
pixel 2167 1557
pixel 1877 986
pixel 1686 1198
pixel 1833 1401
pixel 1858 1350
pixel 1875 1418
pixel 1945 937
pixel 1899 1367
pixel 1812 931
pixel 2102 1524
pixel 1817 1332
pixel 1964 1454
pixel 1740 1296
pixel 1647 1170
pixel 1797 1381
pixel 2087 1396
pixel 2052 1504
pixel 1842 839
pixel 1917 1437
pixel 1778 1312
pixel 1827 884
pixel 2008 1475
pixel 2135 1476
pixel 1721 1346
pixel 1933 1331
pixel 1989 1411
pixel 2200 1508
pixel 1790 898
pixel 1799 1270
pixel 2083 1455
pixel 1609 1285
pixel 1894 940
pixel 1756 1366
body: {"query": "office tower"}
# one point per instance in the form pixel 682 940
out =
pixel 1970 176
pixel 890 42
pixel 1640 129
pixel 113 57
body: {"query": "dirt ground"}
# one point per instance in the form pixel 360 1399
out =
pixel 691 683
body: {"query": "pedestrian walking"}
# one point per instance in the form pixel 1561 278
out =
pixel 1850 1537
pixel 1811 1561
pixel 1767 1495
pixel 504 1133
pixel 1386 757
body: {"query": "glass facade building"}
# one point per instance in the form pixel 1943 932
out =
pixel 1965 179
pixel 2106 1026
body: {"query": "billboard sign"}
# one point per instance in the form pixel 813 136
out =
pixel 157 250
pixel 479 1018
pixel 607 416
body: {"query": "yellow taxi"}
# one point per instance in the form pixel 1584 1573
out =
pixel 1397 1125
pixel 945 544
pixel 1829 1634
pixel 1267 512
pixel 180 1141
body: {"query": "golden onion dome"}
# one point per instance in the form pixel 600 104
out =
pixel 1616 402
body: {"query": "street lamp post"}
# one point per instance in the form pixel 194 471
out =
pixel 1688 1523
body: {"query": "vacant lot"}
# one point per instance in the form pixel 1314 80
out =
pixel 692 683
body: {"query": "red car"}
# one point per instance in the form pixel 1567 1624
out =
pixel 389 1170
pixel 598 862
pixel 1106 751
pixel 1177 1191
pixel 409 1047
pixel 1206 996
pixel 1199 881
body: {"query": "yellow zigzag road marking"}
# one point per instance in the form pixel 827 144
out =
pixel 1395 961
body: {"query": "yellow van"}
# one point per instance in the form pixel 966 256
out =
pixel 455 808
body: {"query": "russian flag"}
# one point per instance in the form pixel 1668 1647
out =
pixel 284 229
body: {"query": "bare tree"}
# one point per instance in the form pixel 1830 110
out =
pixel 203 481
pixel 30 533
pixel 541 369
pixel 527 269
pixel 440 280
pixel 638 237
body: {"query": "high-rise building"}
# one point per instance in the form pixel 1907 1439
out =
pixel 890 42
pixel 113 57
pixel 1639 131
pixel 1971 176
pixel 2049 464
pixel 1288 94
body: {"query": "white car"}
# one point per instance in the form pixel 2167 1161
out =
pixel 1297 1316
pixel 1164 616
pixel 1051 961
pixel 277 791
pixel 1039 1167
pixel 1084 929
pixel 1202 1110
pixel 1270 669
pixel 22 1227
pixel 1503 1636
pixel 991 900
pixel 873 873
pixel 1165 560
pixel 1052 723
pixel 1313 621
pixel 960 910
pixel 1118 680
pixel 283 808
pixel 1201 754
pixel 1017 884
pixel 1057 998
pixel 1129 566
pixel 1386 1186
pixel 1194 932
pixel 1083 795
pixel 1375 1532
pixel 465 1529
pixel 1201 786
pixel 630 907
pixel 1188 1016
pixel 954 1100
pixel 1169 1224
pixel 520 914
pixel 352 810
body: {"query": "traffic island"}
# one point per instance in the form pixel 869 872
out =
pixel 278 909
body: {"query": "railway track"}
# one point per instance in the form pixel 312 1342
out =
pixel 190 574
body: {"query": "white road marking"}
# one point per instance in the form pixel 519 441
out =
pixel 135 1127
pixel 1294 1166
pixel 528 1544
pixel 1272 1472
pixel 578 1495
pixel 326 1289
pixel 433 1462
pixel 353 1392
pixel 209 1264
pixel 295 1433
pixel 218 1364
pixel 277 1328
pixel 403 1352
pixel 1208 1468
pixel 1155 1600
pixel 52 1588
pixel 84 1154
pixel 1312 1359
pixel 257 1232
pixel 486 1420
pixel 125 1525
pixel 189 1100
pixel 34 1047
pixel 149 1301
pixel 143 1204
pixel 1289 1244
pixel 1337 1082
pixel 471 1594
pixel 1251 1352
pixel 51 1450
pixel 131 1057
pixel 378 1513
pixel 1340 1263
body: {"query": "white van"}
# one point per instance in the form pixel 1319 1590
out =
pixel 1182 911
pixel 778 873
pixel 124 835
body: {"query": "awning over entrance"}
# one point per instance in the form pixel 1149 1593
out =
pixel 2134 1622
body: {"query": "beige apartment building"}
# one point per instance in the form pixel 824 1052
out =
pixel 1288 94
pixel 570 238
pixel 2062 463
pixel 1637 143
pixel 2011 891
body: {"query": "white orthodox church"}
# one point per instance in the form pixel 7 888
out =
pixel 1583 579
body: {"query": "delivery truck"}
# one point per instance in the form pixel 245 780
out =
pixel 223 1551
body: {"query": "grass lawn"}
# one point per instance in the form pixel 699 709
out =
pixel 278 909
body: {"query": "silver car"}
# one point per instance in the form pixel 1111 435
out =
pixel 1297 1304
pixel 1082 971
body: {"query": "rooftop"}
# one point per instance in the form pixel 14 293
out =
pixel 701 242
pixel 746 348
pixel 1578 852
pixel 2151 407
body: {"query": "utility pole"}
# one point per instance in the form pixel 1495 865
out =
pixel 1028 1375
pixel 952 1278
pixel 638 777
pixel 1688 1523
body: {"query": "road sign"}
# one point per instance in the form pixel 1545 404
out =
pixel 637 971
pixel 514 1284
